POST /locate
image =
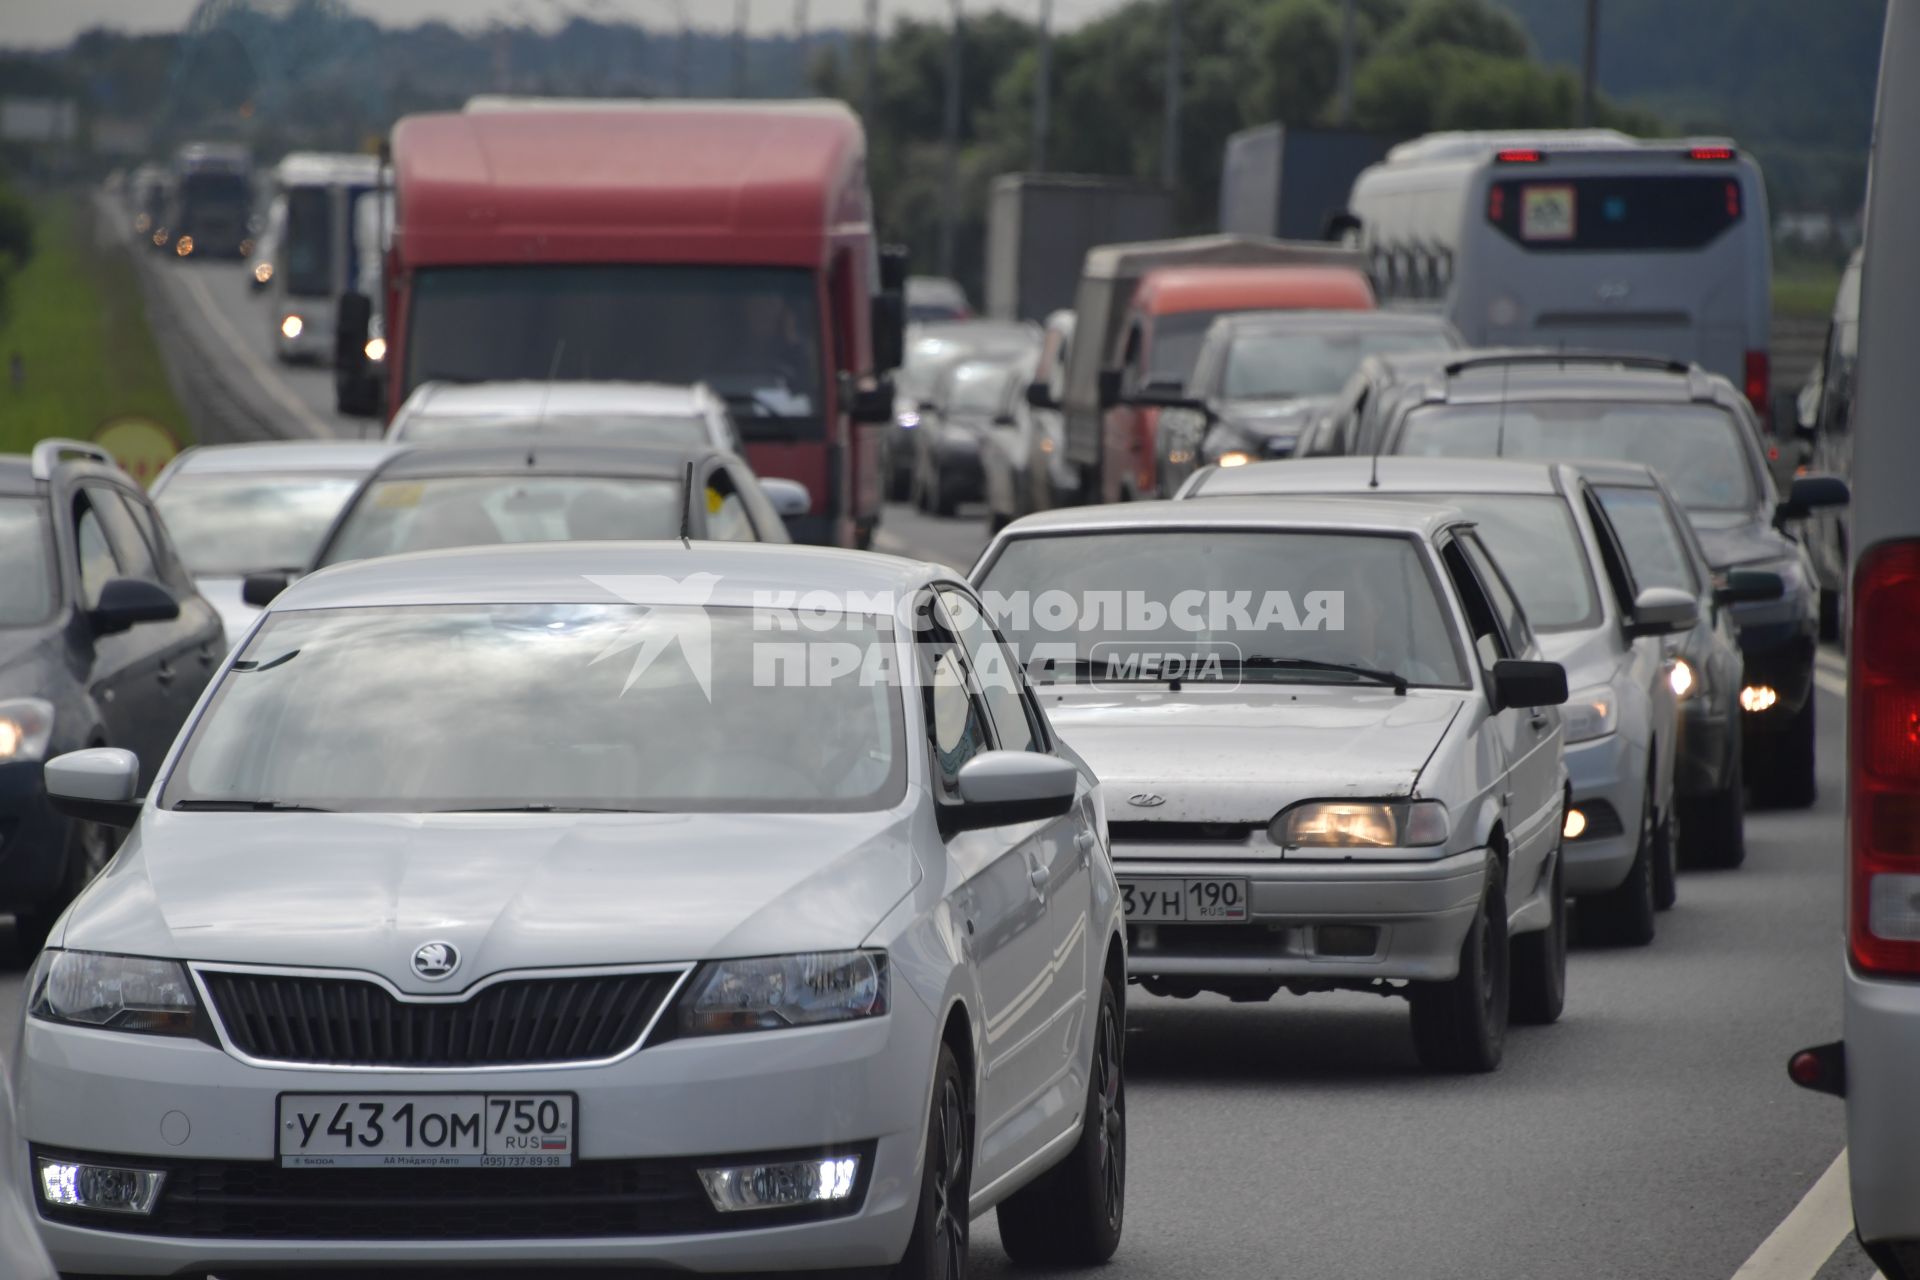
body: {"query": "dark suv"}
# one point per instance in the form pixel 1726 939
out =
pixel 103 642
pixel 1697 430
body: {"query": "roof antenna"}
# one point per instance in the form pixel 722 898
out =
pixel 546 393
pixel 686 510
pixel 1500 429
pixel 1373 476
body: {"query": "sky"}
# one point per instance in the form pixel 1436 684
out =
pixel 52 23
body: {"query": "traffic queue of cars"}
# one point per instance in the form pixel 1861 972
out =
pixel 622 897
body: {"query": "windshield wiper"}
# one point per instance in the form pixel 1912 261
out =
pixel 1394 678
pixel 540 808
pixel 249 664
pixel 252 806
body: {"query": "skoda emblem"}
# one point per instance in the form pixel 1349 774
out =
pixel 435 960
pixel 1146 800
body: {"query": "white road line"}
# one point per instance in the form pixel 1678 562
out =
pixel 1807 1237
pixel 275 389
pixel 1835 685
pixel 1827 660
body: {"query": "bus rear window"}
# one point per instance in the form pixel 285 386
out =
pixel 307 245
pixel 1615 214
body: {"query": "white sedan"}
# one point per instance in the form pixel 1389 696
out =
pixel 1330 750
pixel 589 904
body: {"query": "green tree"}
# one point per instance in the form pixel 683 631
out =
pixel 1465 24
pixel 1296 45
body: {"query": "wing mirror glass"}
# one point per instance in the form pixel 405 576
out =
pixel 100 784
pixel 1001 788
pixel 127 602
pixel 260 589
pixel 1663 611
pixel 1109 388
pixel 1040 396
pixel 1810 494
pixel 1749 586
pixel 1524 682
pixel 789 497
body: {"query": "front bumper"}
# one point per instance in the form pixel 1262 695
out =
pixel 1608 779
pixel 33 838
pixel 957 459
pixel 1780 655
pixel 1421 911
pixel 1703 764
pixel 1883 1126
pixel 671 1106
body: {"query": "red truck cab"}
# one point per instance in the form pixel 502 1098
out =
pixel 727 243
pixel 1168 317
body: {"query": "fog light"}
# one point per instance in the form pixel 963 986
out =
pixel 1575 826
pixel 376 349
pixel 1758 697
pixel 778 1186
pixel 1234 458
pixel 100 1187
pixel 1680 678
pixel 1345 939
pixel 291 327
pixel 263 272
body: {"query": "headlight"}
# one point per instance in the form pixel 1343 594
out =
pixel 263 272
pixel 1342 824
pixel 1682 679
pixel 1235 458
pixel 291 327
pixel 1591 713
pixel 907 419
pixel 376 349
pixel 26 724
pixel 785 991
pixel 117 993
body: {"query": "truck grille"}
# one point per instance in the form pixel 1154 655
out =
pixel 351 1022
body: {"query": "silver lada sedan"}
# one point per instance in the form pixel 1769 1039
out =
pixel 593 904
pixel 1330 750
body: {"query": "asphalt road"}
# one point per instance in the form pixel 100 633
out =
pixel 1651 1133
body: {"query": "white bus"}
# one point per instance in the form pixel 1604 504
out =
pixel 1577 238
pixel 317 256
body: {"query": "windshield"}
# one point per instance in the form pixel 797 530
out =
pixel 1176 346
pixel 1619 213
pixel 394 516
pixel 1538 546
pixel 1656 554
pixel 752 333
pixel 230 525
pixel 26 563
pixel 449 707
pixel 1695 447
pixel 1250 598
pixel 977 389
pixel 307 243
pixel 672 429
pixel 1277 366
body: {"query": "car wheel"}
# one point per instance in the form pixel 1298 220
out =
pixel 1713 828
pixel 1540 962
pixel 937 1250
pixel 89 848
pixel 1785 778
pixel 1461 1024
pixel 1666 866
pixel 1072 1214
pixel 941 503
pixel 1625 915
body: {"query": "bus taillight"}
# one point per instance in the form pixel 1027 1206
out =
pixel 1759 378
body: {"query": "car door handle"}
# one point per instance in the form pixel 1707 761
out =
pixel 1041 875
pixel 165 673
pixel 1539 720
pixel 1084 841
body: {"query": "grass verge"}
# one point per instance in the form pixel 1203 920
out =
pixel 1805 289
pixel 76 322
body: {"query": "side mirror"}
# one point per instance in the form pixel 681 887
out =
pixel 789 497
pixel 1810 494
pixel 1001 788
pixel 261 589
pixel 1162 395
pixel 127 602
pixel 100 784
pixel 1040 396
pixel 1663 611
pixel 1749 586
pixel 1341 225
pixel 1005 420
pixel 1521 682
pixel 872 404
pixel 1108 388
pixel 352 326
pixel 888 321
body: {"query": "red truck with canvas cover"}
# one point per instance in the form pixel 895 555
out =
pixel 717 242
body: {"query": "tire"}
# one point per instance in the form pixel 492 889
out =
pixel 1624 916
pixel 90 847
pixel 1460 1025
pixel 937 1249
pixel 941 503
pixel 1784 777
pixel 1540 962
pixel 1666 866
pixel 1072 1214
pixel 1713 828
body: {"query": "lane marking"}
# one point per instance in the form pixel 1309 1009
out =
pixel 1806 1237
pixel 1827 660
pixel 1835 685
pixel 276 389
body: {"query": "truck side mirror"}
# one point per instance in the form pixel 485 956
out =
pixel 889 325
pixel 893 268
pixel 1040 396
pixel 1109 388
pixel 356 388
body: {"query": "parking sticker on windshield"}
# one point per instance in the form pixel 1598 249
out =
pixel 1546 213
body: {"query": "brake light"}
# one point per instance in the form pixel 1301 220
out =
pixel 1883 799
pixel 1759 378
pixel 1496 204
pixel 1518 155
pixel 1733 200
pixel 1710 153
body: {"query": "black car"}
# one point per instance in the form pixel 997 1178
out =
pixel 1698 431
pixel 103 642
pixel 1262 378
pixel 969 400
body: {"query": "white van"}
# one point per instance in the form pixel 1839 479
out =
pixel 1577 238
pixel 317 257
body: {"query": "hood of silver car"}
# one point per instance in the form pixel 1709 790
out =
pixel 1240 755
pixel 364 891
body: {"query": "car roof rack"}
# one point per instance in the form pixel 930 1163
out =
pixel 47 455
pixel 1625 359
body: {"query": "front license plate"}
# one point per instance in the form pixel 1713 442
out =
pixel 1185 901
pixel 426 1130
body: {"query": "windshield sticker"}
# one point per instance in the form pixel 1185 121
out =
pixel 1546 213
